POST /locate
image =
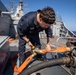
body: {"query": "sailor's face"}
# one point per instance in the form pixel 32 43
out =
pixel 43 24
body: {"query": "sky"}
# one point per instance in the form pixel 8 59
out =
pixel 64 8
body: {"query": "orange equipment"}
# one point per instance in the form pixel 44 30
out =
pixel 35 51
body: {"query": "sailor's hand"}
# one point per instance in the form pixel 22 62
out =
pixel 48 48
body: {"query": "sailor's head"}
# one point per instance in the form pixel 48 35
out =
pixel 47 17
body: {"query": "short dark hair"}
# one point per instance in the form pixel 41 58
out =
pixel 48 15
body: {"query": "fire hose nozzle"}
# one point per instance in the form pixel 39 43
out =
pixel 32 47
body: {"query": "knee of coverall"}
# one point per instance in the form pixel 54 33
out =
pixel 22 44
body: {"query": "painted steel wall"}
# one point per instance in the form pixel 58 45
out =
pixel 2 7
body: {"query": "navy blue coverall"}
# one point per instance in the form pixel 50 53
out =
pixel 29 27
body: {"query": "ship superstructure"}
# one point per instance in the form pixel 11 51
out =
pixel 60 30
pixel 19 11
pixel 18 14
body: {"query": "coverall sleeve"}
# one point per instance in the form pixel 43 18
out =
pixel 22 27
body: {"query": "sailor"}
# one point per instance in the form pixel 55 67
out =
pixel 29 27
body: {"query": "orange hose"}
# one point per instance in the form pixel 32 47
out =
pixel 61 49
pixel 58 50
pixel 24 65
